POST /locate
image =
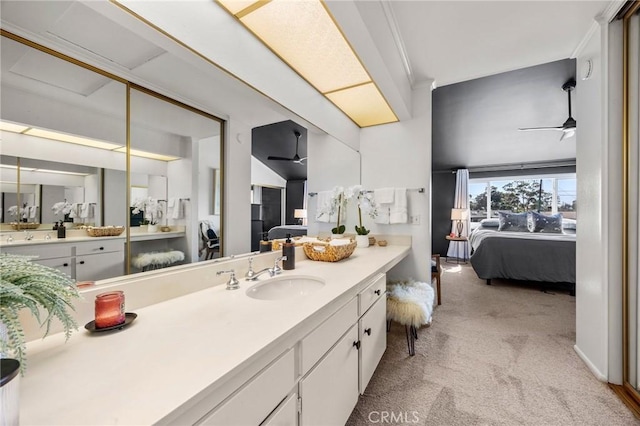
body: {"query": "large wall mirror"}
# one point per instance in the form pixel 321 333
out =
pixel 89 149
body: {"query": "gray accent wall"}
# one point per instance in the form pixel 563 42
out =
pixel 475 124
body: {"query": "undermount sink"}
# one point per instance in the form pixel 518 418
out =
pixel 285 287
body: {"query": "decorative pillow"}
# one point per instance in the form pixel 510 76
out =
pixel 513 222
pixel 490 223
pixel 537 222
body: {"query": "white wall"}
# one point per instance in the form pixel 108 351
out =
pixel 263 176
pixel 236 236
pixel 597 169
pixel 399 155
pixel 208 161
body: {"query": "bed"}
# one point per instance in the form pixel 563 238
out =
pixel 281 231
pixel 524 255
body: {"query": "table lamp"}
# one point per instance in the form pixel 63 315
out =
pixel 459 215
pixel 300 214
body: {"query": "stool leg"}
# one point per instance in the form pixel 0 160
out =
pixel 414 330
pixel 388 326
pixel 409 330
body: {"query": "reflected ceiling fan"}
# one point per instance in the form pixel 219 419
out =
pixel 568 128
pixel 296 158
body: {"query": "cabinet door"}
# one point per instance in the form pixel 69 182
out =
pixel 99 266
pixel 285 415
pixel 373 340
pixel 63 264
pixel 330 391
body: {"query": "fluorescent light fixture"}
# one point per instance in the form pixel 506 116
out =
pixel 306 37
pixel 64 137
pixel 9 166
pixel 60 172
pixel 151 155
pixel 12 127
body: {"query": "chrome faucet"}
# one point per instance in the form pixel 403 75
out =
pixel 250 273
pixel 276 268
pixel 233 283
pixel 9 239
pixel 271 271
pixel 28 236
pixel 47 237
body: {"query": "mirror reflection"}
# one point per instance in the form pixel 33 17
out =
pixel 64 161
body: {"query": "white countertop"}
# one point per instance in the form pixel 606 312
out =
pixel 176 349
pixel 138 236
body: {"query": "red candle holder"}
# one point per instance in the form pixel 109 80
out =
pixel 110 309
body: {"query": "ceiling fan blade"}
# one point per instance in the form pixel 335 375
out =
pixel 526 129
pixel 279 158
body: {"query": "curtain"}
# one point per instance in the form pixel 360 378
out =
pixel 460 249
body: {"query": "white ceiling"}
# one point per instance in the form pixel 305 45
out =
pixel 454 41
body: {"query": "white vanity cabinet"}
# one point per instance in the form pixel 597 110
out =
pixel 330 390
pixel 372 329
pixel 259 397
pixel 99 260
pixel 81 260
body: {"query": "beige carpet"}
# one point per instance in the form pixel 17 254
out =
pixel 494 355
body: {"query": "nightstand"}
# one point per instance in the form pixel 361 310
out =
pixel 466 248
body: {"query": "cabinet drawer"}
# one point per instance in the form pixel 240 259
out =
pixel 259 397
pixel 99 246
pixel 99 266
pixel 369 295
pixel 373 340
pixel 43 251
pixel 286 414
pixel 320 340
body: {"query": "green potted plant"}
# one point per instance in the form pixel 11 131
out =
pixel 38 288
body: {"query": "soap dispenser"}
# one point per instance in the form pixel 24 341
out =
pixel 62 231
pixel 289 250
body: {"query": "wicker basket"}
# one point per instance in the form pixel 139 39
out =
pixel 325 252
pixel 105 231
pixel 24 225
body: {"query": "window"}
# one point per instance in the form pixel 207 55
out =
pixel 548 195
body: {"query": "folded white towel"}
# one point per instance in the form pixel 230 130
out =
pixel 33 212
pixel 171 203
pixel 177 210
pixel 323 204
pixel 398 211
pixel 384 195
pixel 84 210
pixel 383 214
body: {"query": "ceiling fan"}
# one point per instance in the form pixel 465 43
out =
pixel 568 128
pixel 296 158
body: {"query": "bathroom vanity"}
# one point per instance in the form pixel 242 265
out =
pixel 81 257
pixel 217 356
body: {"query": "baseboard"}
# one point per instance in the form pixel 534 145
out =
pixel 592 367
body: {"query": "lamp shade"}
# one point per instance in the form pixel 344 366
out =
pixel 300 213
pixel 459 214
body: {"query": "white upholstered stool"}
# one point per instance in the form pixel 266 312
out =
pixel 409 303
pixel 157 260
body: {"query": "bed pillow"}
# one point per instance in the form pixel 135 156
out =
pixel 490 223
pixel 537 222
pixel 512 222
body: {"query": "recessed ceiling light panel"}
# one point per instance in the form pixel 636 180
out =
pixel 306 37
